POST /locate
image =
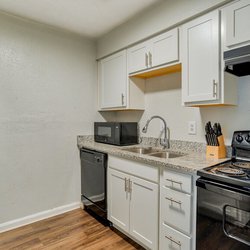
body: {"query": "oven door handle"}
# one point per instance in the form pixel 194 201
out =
pixel 231 191
pixel 224 227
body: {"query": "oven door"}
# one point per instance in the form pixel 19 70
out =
pixel 223 217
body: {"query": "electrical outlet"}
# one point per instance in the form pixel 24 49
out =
pixel 192 127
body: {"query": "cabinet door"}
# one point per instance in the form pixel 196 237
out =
pixel 237 23
pixel 200 62
pixel 144 212
pixel 113 81
pixel 164 48
pixel 138 57
pixel 118 201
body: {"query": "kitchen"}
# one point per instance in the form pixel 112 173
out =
pixel 49 96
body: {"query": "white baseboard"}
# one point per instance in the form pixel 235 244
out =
pixel 6 226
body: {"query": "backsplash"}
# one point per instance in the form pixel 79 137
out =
pixel 175 145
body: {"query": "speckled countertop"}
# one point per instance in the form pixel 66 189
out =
pixel 190 162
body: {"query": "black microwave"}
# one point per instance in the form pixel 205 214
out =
pixel 116 133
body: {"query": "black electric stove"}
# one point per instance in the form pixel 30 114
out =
pixel 223 200
pixel 237 170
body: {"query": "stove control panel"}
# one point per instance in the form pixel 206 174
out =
pixel 241 139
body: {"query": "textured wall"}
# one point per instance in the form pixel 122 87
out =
pixel 47 97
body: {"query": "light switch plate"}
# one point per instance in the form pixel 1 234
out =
pixel 192 127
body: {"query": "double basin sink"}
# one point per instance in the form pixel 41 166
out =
pixel 155 152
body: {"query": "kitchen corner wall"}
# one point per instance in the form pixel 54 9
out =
pixel 47 98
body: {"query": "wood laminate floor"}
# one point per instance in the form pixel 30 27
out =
pixel 72 230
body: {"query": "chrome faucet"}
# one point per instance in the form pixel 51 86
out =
pixel 165 141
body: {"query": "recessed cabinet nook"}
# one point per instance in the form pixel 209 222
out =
pixel 195 49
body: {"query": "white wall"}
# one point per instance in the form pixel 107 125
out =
pixel 163 97
pixel 47 98
pixel 154 20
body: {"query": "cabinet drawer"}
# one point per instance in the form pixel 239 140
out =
pixel 173 240
pixel 138 169
pixel 177 181
pixel 176 209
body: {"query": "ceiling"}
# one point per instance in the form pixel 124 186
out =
pixel 89 18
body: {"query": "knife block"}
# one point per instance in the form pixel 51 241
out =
pixel 216 152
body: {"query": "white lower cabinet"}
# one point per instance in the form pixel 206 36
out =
pixel 157 219
pixel 144 212
pixel 119 199
pixel 177 211
pixel 133 203
pixel 171 239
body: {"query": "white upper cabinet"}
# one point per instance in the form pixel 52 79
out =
pixel 156 52
pixel 138 57
pixel 116 90
pixel 164 49
pixel 113 81
pixel 237 23
pixel 200 58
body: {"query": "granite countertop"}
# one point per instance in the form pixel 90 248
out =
pixel 190 162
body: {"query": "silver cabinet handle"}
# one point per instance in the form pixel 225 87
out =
pixel 177 182
pixel 150 59
pixel 122 95
pixel 125 186
pixel 215 88
pixel 172 200
pixel 146 60
pixel 130 186
pixel 175 241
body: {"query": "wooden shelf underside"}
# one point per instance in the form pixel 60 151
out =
pixel 159 71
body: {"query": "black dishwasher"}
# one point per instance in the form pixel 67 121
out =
pixel 93 183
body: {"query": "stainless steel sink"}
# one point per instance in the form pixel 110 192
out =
pixel 156 152
pixel 166 154
pixel 142 150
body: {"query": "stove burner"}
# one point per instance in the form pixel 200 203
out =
pixel 229 171
pixel 242 164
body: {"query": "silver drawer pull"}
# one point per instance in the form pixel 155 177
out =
pixel 172 200
pixel 171 239
pixel 177 182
